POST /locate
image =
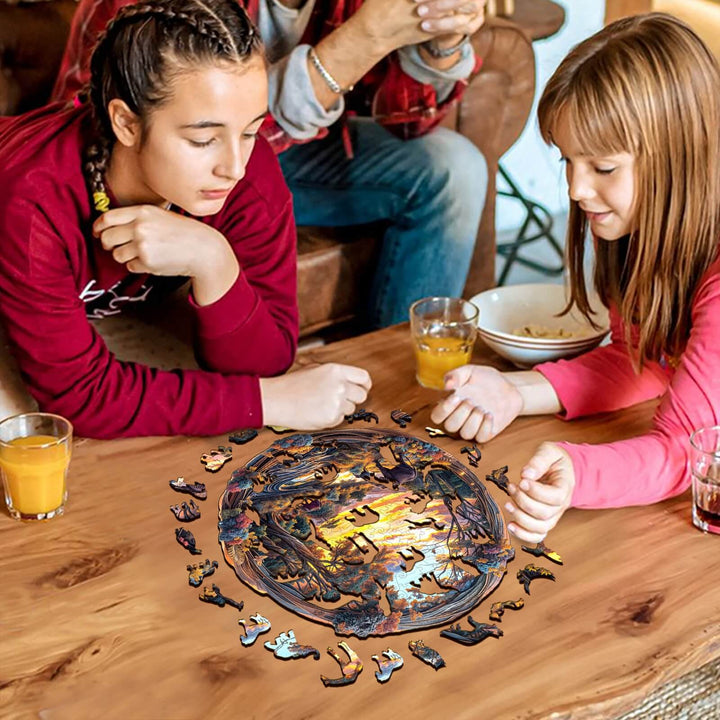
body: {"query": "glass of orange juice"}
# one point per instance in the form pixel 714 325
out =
pixel 443 331
pixel 35 451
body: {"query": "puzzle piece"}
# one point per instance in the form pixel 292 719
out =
pixel 362 414
pixel 243 436
pixel 197 573
pixel 215 459
pixel 197 490
pixel 186 512
pixel 432 657
pixel 497 610
pixel 473 453
pixel 479 632
pixel 187 540
pixel 215 597
pixel 400 417
pixel 533 572
pixel 435 432
pixel 499 478
pixel 286 647
pixel 540 550
pixel 391 662
pixel 350 668
pixel 260 625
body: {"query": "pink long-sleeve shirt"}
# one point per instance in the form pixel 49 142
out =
pixel 653 466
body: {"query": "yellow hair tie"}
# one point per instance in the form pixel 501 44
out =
pixel 101 201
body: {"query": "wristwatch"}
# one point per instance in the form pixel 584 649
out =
pixel 437 52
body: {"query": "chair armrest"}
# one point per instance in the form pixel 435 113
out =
pixel 497 103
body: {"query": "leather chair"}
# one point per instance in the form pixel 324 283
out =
pixel 334 265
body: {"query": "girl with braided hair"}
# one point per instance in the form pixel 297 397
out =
pixel 160 178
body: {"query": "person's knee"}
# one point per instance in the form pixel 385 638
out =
pixel 459 172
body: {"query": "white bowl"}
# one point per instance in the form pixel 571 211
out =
pixel 504 309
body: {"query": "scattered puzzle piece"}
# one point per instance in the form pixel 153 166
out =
pixel 186 512
pixel 400 417
pixel 540 550
pixel 187 540
pixel 432 657
pixel 350 668
pixel 391 662
pixel 215 597
pixel 362 414
pixel 473 453
pixel 533 572
pixel 260 625
pixel 286 647
pixel 435 432
pixel 197 573
pixel 499 478
pixel 215 459
pixel 279 429
pixel 497 610
pixel 479 632
pixel 243 436
pixel 197 490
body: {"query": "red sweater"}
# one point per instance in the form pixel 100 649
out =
pixel 54 274
pixel 405 106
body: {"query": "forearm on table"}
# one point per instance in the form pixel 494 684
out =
pixel 539 396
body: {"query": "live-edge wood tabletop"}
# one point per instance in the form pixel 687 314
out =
pixel 97 618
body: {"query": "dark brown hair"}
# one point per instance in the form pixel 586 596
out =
pixel 143 48
pixel 648 86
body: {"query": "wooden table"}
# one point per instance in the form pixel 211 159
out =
pixel 97 618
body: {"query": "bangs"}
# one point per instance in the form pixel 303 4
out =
pixel 595 108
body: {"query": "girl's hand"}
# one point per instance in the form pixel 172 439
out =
pixel 314 398
pixel 449 20
pixel 482 405
pixel 148 239
pixel 546 486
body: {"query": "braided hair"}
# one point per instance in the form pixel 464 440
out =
pixel 140 49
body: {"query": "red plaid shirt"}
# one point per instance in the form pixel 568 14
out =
pixel 405 106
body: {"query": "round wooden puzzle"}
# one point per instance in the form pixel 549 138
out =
pixel 370 531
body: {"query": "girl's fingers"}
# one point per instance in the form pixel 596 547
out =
pixel 543 492
pixel 458 377
pixel 522 534
pixel 444 408
pixel 458 417
pixel 541 462
pixel 472 425
pixel 525 520
pixel 535 508
pixel 116 236
pixel 125 253
pixel 486 431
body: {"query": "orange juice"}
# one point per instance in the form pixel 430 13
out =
pixel 34 476
pixel 437 355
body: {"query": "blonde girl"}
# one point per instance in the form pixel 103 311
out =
pixel 635 113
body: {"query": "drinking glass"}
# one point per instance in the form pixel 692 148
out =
pixel 35 451
pixel 443 331
pixel 705 467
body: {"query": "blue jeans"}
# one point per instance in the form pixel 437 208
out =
pixel 430 189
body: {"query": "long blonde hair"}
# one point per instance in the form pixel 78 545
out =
pixel 646 85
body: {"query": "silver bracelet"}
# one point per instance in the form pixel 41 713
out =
pixel 332 83
pixel 437 52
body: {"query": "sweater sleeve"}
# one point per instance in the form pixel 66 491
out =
pixel 253 328
pixel 67 366
pixel 655 466
pixel 609 367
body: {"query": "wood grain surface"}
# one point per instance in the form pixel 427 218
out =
pixel 97 618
